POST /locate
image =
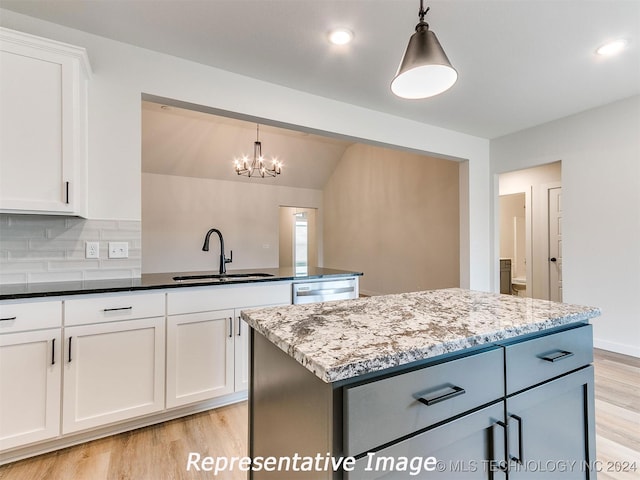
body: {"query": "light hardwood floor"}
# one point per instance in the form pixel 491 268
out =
pixel 617 415
pixel 160 452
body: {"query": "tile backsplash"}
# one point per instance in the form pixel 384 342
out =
pixel 47 248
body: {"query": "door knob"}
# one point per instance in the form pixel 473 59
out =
pixel 553 259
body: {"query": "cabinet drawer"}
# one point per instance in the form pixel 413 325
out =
pixel 190 300
pixel 468 447
pixel 21 317
pixel 382 411
pixel 112 308
pixel 535 361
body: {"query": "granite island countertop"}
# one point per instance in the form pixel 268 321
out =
pixel 348 338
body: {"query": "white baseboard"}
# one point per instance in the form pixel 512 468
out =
pixel 625 349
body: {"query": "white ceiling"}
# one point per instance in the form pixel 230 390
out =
pixel 520 62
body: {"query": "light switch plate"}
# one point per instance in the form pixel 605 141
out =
pixel 118 249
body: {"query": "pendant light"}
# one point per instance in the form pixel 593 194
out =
pixel 425 70
pixel 258 166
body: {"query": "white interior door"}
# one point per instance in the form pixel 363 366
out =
pixel 555 244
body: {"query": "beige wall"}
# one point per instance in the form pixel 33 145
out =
pixel 177 212
pixel 394 216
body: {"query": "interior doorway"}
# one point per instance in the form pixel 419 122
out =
pixel 537 272
pixel 298 239
pixel 514 241
pixel 554 206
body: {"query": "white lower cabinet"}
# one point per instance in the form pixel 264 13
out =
pixel 126 357
pixel 30 372
pixel 241 353
pixel 29 387
pixel 208 342
pixel 207 356
pixel 112 371
pixel 200 356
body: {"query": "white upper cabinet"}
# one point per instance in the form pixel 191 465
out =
pixel 43 125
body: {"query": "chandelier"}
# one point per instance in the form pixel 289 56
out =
pixel 258 166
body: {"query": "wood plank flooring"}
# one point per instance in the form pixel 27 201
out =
pixel 160 452
pixel 617 389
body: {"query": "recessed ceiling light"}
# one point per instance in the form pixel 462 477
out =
pixel 611 48
pixel 340 36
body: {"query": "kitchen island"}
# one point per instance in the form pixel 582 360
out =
pixel 439 384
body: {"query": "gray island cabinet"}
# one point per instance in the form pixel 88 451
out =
pixel 447 384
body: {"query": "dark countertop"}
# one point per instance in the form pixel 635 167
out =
pixel 151 281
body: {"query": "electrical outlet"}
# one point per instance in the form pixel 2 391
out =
pixel 91 250
pixel 118 249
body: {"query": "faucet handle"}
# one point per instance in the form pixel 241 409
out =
pixel 230 259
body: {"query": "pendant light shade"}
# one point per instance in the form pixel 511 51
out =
pixel 425 70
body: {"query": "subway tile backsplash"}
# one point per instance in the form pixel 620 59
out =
pixel 47 248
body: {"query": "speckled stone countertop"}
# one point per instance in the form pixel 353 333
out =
pixel 344 339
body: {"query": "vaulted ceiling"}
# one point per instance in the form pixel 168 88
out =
pixel 188 143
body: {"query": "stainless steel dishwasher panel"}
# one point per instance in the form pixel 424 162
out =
pixel 324 291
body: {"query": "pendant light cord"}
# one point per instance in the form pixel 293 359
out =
pixel 421 14
pixel 422 11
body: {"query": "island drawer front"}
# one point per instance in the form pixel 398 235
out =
pixel 535 361
pixel 21 317
pixel 457 449
pixel 113 308
pixel 380 412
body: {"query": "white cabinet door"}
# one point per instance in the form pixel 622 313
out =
pixel 42 125
pixel 29 387
pixel 113 371
pixel 200 356
pixel 241 348
pixel 241 354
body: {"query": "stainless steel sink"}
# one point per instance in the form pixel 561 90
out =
pixel 220 278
